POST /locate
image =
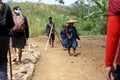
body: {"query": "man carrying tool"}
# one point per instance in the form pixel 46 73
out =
pixel 50 31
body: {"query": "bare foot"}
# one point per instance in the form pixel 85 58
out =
pixel 70 54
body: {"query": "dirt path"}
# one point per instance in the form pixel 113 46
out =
pixel 56 64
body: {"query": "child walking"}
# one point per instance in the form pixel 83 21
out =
pixel 64 37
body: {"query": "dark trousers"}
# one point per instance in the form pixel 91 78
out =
pixel 4 46
pixel 52 37
pixel 3 71
pixel 117 73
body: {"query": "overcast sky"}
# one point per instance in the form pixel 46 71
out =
pixel 67 2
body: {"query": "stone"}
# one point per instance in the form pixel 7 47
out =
pixel 25 70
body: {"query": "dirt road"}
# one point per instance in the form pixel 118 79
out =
pixel 56 64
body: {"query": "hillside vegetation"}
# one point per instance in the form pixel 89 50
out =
pixel 38 13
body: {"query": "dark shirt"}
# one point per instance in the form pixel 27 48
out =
pixel 48 28
pixel 9 23
pixel 73 32
pixel 114 7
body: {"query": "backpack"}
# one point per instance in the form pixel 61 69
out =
pixel 3 17
pixel 19 23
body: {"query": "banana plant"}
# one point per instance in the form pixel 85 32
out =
pixel 100 7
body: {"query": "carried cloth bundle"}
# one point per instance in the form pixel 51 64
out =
pixel 19 23
pixel 19 20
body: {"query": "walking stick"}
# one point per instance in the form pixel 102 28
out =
pixel 48 38
pixel 10 63
pixel 59 38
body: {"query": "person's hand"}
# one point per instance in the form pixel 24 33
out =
pixel 46 34
pixel 78 38
pixel 26 39
pixel 109 71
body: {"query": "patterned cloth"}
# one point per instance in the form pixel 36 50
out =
pixel 64 38
pixel 72 42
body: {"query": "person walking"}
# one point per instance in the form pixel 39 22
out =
pixel 112 41
pixel 50 31
pixel 20 33
pixel 6 24
pixel 64 37
pixel 72 35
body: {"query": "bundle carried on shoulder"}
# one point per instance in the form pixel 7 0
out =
pixel 19 23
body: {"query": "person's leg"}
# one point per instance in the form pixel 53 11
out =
pixel 4 46
pixel 69 45
pixel 69 51
pixel 15 54
pixel 19 55
pixel 3 70
pixel 53 38
pixel 74 46
pixel 14 42
pixel 74 52
pixel 117 73
pixel 50 42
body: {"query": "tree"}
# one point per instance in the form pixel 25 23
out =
pixel 60 1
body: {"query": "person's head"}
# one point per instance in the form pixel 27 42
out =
pixel 72 23
pixel 64 26
pixel 17 10
pixel 50 19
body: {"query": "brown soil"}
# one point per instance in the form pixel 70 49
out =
pixel 56 64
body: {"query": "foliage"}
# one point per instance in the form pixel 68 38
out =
pixel 93 15
pixel 101 7
pixel 89 17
